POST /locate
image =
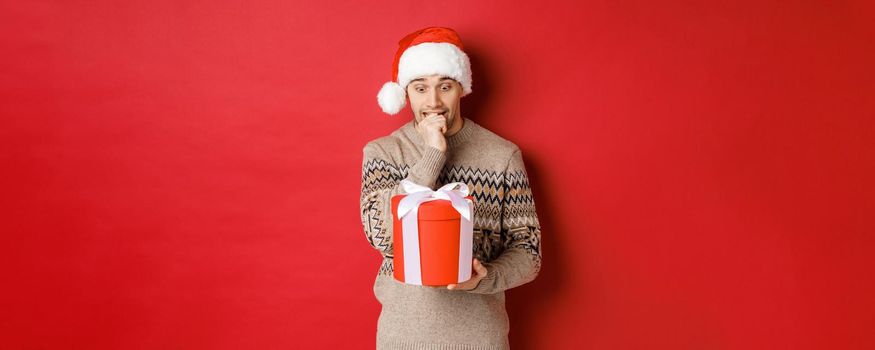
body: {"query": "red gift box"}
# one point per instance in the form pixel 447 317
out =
pixel 445 243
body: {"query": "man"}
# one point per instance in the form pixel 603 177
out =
pixel 439 146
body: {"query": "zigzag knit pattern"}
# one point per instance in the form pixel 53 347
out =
pixel 504 210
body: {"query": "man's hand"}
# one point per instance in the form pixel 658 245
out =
pixel 479 274
pixel 432 129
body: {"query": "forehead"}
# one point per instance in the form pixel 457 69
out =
pixel 436 78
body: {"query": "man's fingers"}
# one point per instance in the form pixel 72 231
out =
pixel 437 118
pixel 481 270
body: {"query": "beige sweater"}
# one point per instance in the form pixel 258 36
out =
pixel 506 236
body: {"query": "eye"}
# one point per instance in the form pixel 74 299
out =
pixel 446 88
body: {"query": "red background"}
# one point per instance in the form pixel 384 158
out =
pixel 185 174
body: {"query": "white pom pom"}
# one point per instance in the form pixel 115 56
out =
pixel 391 98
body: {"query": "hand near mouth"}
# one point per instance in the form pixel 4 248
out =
pixel 432 129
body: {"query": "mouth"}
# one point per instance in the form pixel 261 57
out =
pixel 442 113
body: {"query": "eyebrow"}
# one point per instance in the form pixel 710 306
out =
pixel 423 79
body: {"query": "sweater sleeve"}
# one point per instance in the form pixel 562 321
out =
pixel 520 261
pixel 381 179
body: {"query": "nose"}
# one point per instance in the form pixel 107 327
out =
pixel 433 100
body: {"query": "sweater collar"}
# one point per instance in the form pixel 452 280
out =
pixel 456 139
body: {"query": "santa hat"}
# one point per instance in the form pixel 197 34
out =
pixel 432 50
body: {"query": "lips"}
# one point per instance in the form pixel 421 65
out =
pixel 444 113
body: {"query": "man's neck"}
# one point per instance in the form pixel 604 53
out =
pixel 457 126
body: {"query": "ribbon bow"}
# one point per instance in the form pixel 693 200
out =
pixel 408 208
pixel 419 194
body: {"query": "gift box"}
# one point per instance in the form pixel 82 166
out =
pixel 433 234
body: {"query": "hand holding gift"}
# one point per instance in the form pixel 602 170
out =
pixel 479 271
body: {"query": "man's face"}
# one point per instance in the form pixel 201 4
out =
pixel 435 94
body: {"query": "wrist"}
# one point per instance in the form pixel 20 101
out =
pixel 427 169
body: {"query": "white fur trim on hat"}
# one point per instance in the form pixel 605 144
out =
pixel 392 97
pixel 434 58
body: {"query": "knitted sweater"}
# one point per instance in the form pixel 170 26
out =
pixel 506 236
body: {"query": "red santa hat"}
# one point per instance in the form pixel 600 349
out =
pixel 432 50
